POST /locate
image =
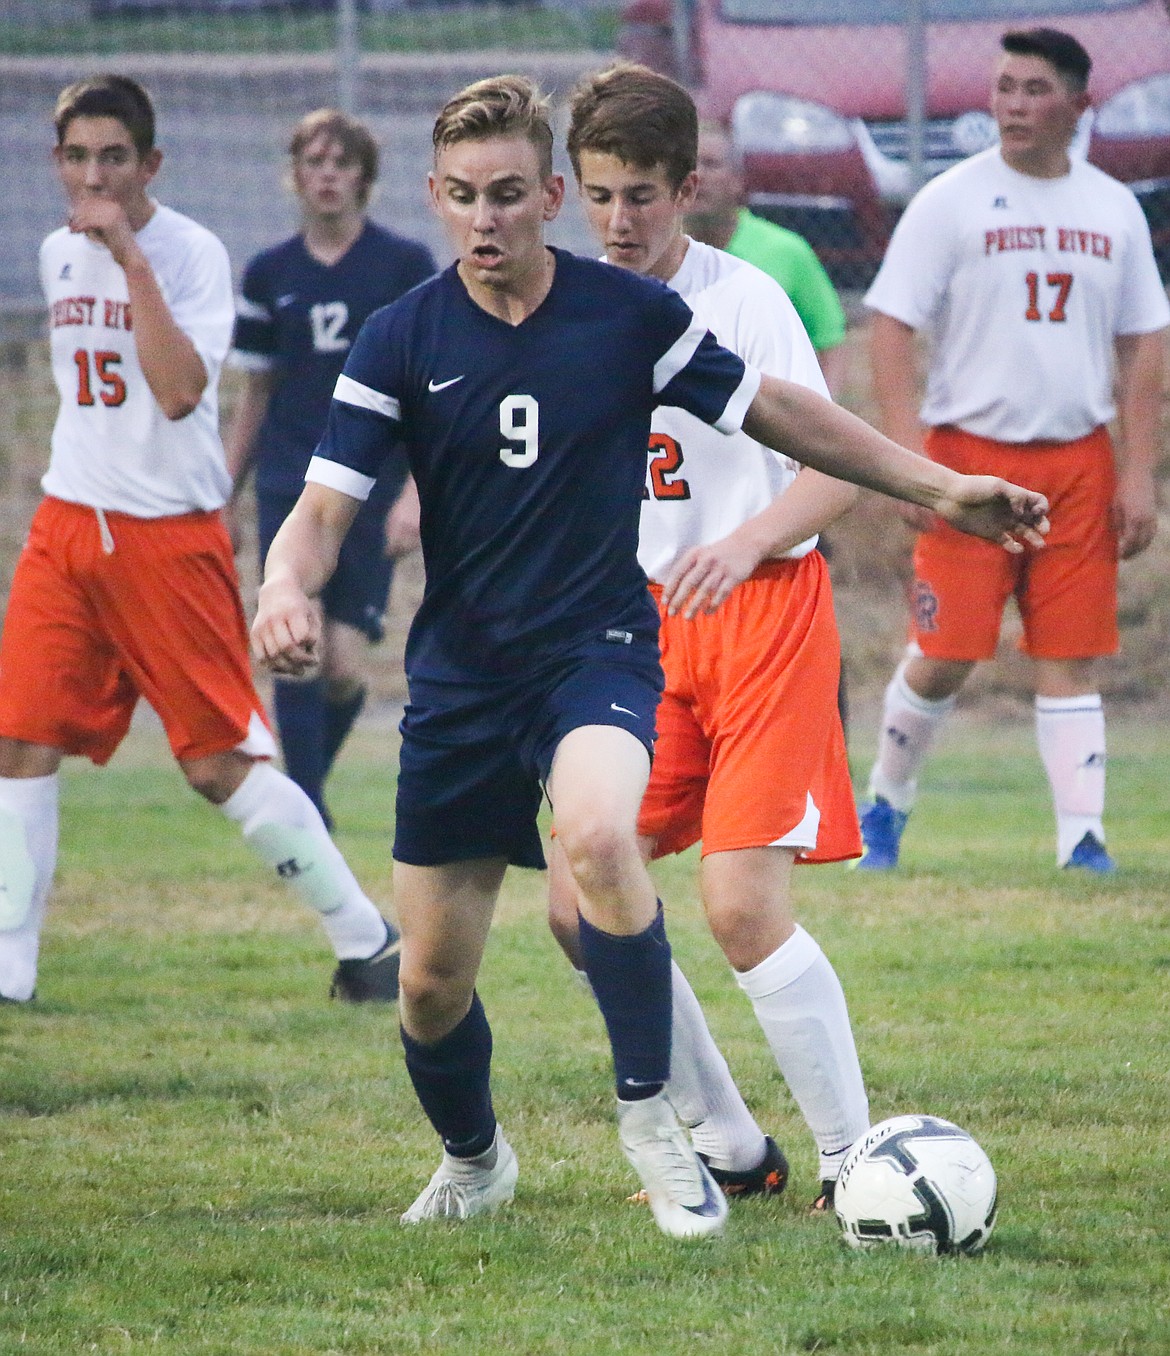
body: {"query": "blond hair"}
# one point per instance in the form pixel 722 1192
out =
pixel 502 106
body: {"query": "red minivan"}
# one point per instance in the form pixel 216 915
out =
pixel 815 93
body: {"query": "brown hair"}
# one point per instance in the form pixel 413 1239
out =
pixel 355 139
pixel 505 105
pixel 108 96
pixel 645 119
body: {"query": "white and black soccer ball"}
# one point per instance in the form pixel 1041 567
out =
pixel 916 1182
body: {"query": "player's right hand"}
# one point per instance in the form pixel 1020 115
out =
pixel 104 220
pixel 286 635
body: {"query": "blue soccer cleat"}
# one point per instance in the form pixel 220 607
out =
pixel 1090 855
pixel 881 833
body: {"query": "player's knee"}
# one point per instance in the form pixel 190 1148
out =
pixel 436 998
pixel 601 853
pixel 218 777
pixel 748 933
pixel 21 759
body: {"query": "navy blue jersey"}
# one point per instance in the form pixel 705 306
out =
pixel 299 317
pixel 528 443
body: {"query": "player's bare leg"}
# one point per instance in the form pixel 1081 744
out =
pixel 446 913
pixel 598 776
pixel 794 992
pixel 28 858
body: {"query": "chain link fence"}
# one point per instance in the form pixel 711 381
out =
pixel 840 108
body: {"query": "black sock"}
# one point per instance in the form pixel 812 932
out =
pixel 300 719
pixel 339 719
pixel 630 977
pixel 452 1082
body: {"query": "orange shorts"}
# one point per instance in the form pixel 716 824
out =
pixel 89 630
pixel 750 748
pixel 1066 592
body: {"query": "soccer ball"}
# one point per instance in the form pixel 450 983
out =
pixel 916 1182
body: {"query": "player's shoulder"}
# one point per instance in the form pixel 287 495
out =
pixel 385 241
pixel 709 267
pixel 422 304
pixel 594 284
pixel 56 240
pixel 177 226
pixel 178 244
pixel 952 188
pixel 1095 183
pixel 276 257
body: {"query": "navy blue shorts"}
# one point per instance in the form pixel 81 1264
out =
pixel 475 759
pixel 360 587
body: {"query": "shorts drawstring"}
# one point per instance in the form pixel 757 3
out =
pixel 104 530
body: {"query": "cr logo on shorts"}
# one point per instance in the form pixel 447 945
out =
pixel 925 606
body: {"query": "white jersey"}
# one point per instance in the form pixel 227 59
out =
pixel 702 484
pixel 1021 284
pixel 113 448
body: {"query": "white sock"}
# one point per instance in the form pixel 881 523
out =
pixel 909 726
pixel 1070 732
pixel 282 826
pixel 701 1088
pixel 28 859
pixel 799 1003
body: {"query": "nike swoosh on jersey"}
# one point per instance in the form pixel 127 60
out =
pixel 613 706
pixel 442 385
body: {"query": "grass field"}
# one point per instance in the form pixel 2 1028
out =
pixel 201 1154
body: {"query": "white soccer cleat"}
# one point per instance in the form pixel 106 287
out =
pixel 681 1191
pixel 462 1187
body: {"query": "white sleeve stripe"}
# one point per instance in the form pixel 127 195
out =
pixel 251 310
pixel 250 362
pixel 351 392
pixel 341 478
pixel 735 411
pixel 678 355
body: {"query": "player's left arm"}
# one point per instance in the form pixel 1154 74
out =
pixel 173 369
pixel 286 634
pixel 704 576
pixel 1139 403
pixel 402 528
pixel 812 430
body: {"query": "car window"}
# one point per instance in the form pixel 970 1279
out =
pixel 895 11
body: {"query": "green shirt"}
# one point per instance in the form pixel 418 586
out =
pixel 791 260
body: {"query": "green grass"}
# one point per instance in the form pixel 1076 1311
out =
pixel 200 1154
pixel 447 28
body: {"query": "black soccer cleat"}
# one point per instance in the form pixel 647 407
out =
pixel 373 980
pixel 768 1179
pixel 823 1205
